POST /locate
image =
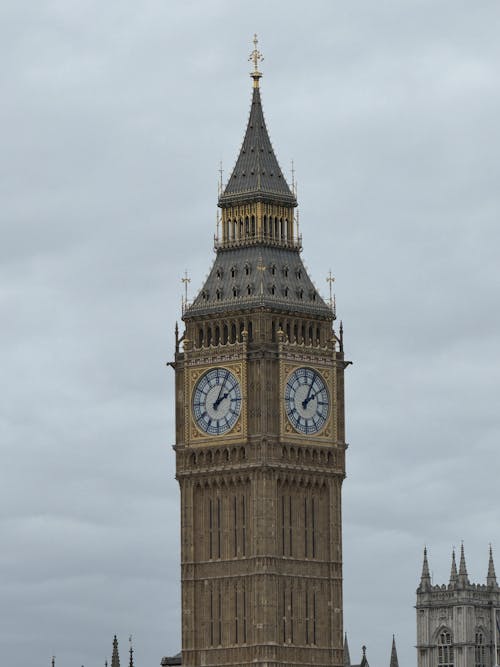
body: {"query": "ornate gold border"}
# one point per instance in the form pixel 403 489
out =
pixel 328 430
pixel 238 432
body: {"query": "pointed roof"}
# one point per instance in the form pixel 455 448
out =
pixel 394 654
pixel 115 658
pixel 453 571
pixel 491 578
pixel 463 577
pixel 257 174
pixel 235 282
pixel 347 657
pixel 425 579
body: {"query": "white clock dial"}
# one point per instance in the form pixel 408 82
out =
pixel 307 402
pixel 217 401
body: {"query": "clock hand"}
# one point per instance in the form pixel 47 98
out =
pixel 308 397
pixel 221 396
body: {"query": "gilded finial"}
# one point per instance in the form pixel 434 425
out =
pixel 185 280
pixel 330 280
pixel 256 55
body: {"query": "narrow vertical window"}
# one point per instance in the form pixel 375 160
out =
pixel 218 529
pixel 314 617
pixel 313 526
pixel 244 615
pixel 480 650
pixel 291 616
pixel 210 529
pixel 243 526
pixel 290 515
pixel 211 617
pixel 235 614
pixel 235 523
pixel 284 616
pixel 219 618
pixel 306 537
pixel 283 525
pixel 307 615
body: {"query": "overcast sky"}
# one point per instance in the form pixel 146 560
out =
pixel 113 118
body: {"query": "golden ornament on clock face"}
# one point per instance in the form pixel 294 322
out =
pixel 217 401
pixel 307 401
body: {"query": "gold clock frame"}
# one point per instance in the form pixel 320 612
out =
pixel 328 430
pixel 195 435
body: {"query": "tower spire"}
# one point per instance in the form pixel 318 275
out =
pixel 394 654
pixel 491 579
pixel 425 579
pixel 453 572
pixel 115 658
pixel 463 577
pixel 257 175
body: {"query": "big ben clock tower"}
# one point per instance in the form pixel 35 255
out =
pixel 260 442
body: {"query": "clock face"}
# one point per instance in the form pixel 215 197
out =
pixel 217 401
pixel 306 400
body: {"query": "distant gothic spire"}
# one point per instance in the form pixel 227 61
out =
pixel 491 579
pixel 453 573
pixel 425 580
pixel 394 654
pixel 463 577
pixel 364 659
pixel 347 657
pixel 115 658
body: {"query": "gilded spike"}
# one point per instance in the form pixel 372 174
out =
pixel 256 56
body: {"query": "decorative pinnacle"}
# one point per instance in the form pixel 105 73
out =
pixel 256 55
pixel 453 573
pixel 463 577
pixel 330 279
pixel 131 652
pixel 425 579
pixel 186 280
pixel 491 579
pixel 394 654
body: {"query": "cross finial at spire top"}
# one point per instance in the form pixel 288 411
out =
pixel 256 55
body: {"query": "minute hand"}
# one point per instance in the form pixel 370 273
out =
pixel 221 396
pixel 308 397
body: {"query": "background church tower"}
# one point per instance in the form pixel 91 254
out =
pixel 260 442
pixel 458 625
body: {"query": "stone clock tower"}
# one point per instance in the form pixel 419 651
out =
pixel 260 441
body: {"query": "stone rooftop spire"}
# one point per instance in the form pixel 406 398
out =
pixel 425 579
pixel 347 657
pixel 453 573
pixel 115 658
pixel 257 175
pixel 491 579
pixel 463 577
pixel 394 654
